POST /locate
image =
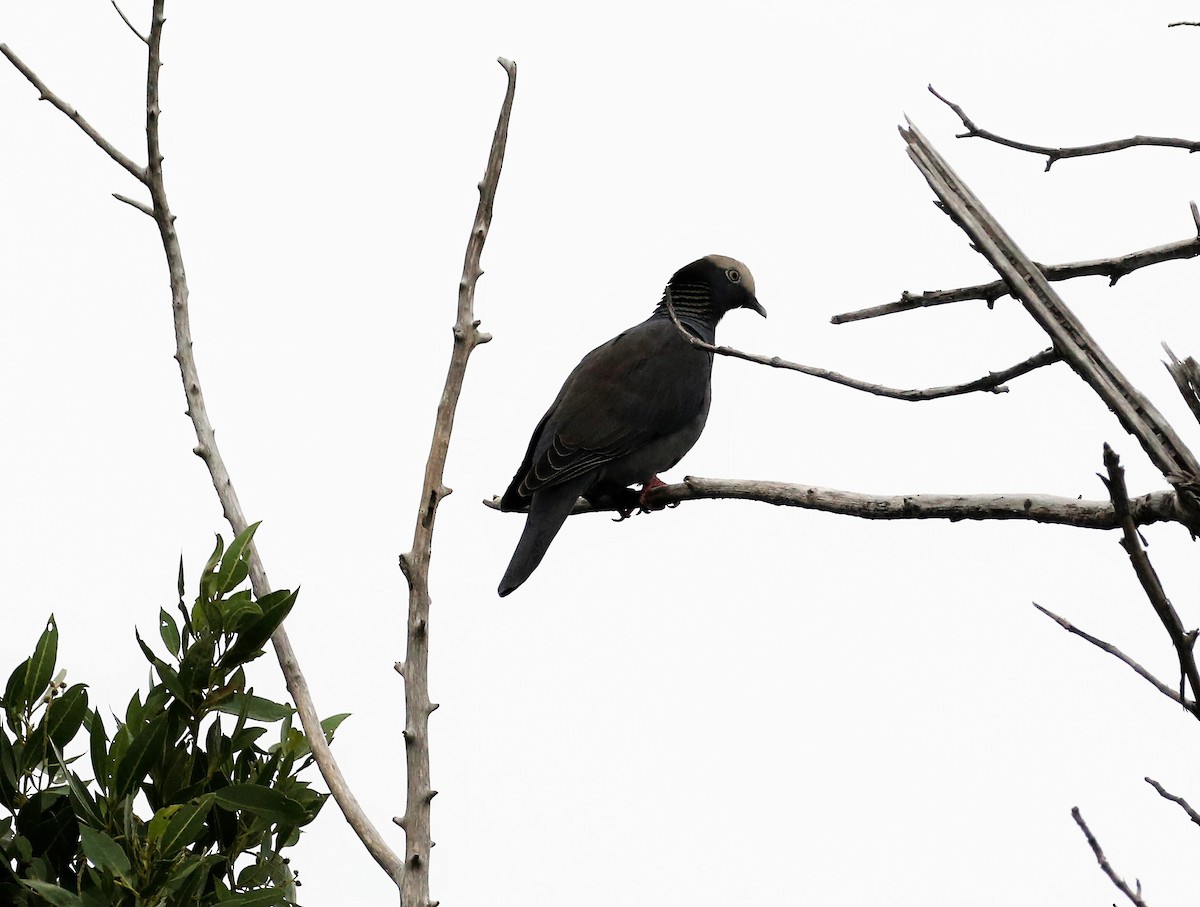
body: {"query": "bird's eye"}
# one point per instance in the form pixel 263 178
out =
pixel 734 275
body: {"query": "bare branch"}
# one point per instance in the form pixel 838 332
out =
pixel 1163 688
pixel 1163 792
pixel 1159 506
pixel 1134 897
pixel 1113 268
pixel 1174 24
pixel 206 448
pixel 1055 154
pixel 1133 410
pixel 134 203
pixel 414 889
pixel 1183 641
pixel 45 94
pixel 125 19
pixel 992 381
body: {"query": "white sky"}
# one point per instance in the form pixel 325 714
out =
pixel 724 703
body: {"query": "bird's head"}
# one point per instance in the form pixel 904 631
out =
pixel 711 286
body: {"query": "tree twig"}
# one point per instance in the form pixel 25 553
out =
pixel 1159 506
pixel 1113 268
pixel 206 447
pixel 125 19
pixel 1134 897
pixel 1183 640
pixel 134 203
pixel 992 382
pixel 45 94
pixel 1163 688
pixel 1183 804
pixel 1056 154
pixel 1133 410
pixel 414 889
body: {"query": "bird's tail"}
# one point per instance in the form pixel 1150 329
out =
pixel 547 513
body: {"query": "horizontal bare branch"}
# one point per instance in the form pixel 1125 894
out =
pixel 1135 897
pixel 1056 154
pixel 1103 646
pixel 992 382
pixel 1113 268
pixel 1156 507
pixel 1183 804
pixel 45 94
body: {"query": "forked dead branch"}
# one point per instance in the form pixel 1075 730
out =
pixel 410 874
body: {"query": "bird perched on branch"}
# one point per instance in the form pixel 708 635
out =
pixel 631 409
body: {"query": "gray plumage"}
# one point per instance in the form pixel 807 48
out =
pixel 630 410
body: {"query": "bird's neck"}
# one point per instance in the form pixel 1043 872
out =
pixel 693 307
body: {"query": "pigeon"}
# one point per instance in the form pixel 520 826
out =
pixel 630 410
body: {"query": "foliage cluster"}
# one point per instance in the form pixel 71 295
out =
pixel 185 805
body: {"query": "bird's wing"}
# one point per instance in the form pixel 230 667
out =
pixel 639 386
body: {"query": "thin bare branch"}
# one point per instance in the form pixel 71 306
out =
pixel 1135 897
pixel 1133 410
pixel 414 889
pixel 206 448
pixel 1113 268
pixel 1159 506
pixel 1056 154
pixel 1183 804
pixel 134 203
pixel 125 19
pixel 992 382
pixel 1183 641
pixel 45 94
pixel 1103 646
pixel 1175 24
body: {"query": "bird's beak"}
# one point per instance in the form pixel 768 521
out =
pixel 756 306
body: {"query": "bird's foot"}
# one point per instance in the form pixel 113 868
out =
pixel 643 506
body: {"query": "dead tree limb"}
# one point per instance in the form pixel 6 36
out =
pixel 1056 154
pixel 206 448
pixel 1156 507
pixel 1113 268
pixel 1103 646
pixel 1183 640
pixel 1182 803
pixel 414 889
pixel 992 382
pixel 1133 410
pixel 1135 897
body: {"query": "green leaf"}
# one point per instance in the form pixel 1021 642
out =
pixel 41 665
pixel 332 723
pixel 231 564
pixel 261 801
pixel 145 749
pixel 181 826
pixel 275 607
pixel 104 852
pixel 179 583
pixel 257 708
pixel 169 631
pixel 65 714
pixel 14 692
pixel 59 897
pixel 98 741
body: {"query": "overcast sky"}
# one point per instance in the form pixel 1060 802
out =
pixel 722 703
